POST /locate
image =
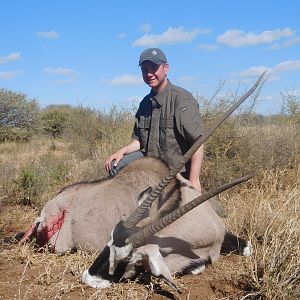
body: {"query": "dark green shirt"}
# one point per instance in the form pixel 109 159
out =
pixel 167 124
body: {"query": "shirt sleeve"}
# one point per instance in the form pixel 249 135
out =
pixel 188 120
pixel 135 132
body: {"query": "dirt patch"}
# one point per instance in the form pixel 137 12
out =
pixel 26 273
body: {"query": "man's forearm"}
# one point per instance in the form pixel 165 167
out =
pixel 196 164
pixel 132 147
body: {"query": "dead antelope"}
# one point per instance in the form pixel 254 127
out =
pixel 168 234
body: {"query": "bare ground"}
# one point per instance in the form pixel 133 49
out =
pixel 26 273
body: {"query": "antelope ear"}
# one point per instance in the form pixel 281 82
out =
pixel 187 190
pixel 157 264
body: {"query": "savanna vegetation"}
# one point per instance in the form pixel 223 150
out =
pixel 45 149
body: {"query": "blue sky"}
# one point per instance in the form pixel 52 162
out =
pixel 86 52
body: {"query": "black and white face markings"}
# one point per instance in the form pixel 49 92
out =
pixel 97 276
pixel 111 263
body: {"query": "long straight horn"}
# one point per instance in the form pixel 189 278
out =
pixel 137 215
pixel 140 237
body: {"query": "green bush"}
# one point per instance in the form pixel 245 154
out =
pixel 18 116
pixel 88 129
pixel 53 121
pixel 29 184
pixel 36 180
pixel 15 134
pixel 83 131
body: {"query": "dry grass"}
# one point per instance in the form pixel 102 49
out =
pixel 267 215
pixel 270 216
pixel 265 210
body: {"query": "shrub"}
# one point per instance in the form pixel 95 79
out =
pixel 53 121
pixel 18 116
pixel 29 184
pixel 87 130
pixel 35 180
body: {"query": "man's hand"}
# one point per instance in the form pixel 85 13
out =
pixel 116 157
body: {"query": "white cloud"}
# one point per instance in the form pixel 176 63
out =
pixel 11 57
pixel 291 42
pixel 273 72
pixel 9 74
pixel 207 47
pixel 48 34
pixel 126 79
pixel 286 44
pixel 121 36
pixel 146 27
pixel 253 71
pixel 60 71
pixel 275 46
pixel 288 65
pixel 170 36
pixel 238 38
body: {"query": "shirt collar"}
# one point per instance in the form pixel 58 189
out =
pixel 161 97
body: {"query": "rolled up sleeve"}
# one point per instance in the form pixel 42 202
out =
pixel 135 132
pixel 188 120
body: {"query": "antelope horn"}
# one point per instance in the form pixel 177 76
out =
pixel 137 215
pixel 141 236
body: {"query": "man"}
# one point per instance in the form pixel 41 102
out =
pixel 167 122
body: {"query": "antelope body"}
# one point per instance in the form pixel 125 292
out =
pixel 180 240
pixel 185 246
pixel 82 215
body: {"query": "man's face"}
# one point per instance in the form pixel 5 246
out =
pixel 154 75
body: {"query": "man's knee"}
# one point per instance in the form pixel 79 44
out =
pixel 128 158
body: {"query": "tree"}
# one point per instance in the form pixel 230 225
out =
pixel 54 121
pixel 18 115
